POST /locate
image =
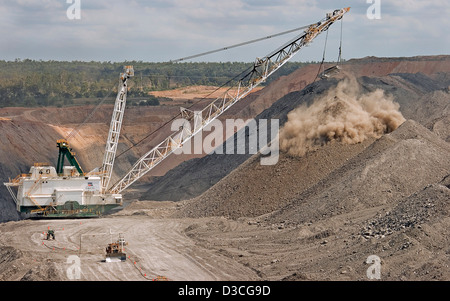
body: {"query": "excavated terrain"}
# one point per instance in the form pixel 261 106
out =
pixel 317 216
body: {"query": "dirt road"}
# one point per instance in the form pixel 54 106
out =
pixel 156 247
pixel 222 249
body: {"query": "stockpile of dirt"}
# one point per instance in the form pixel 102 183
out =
pixel 321 214
pixel 253 189
pixel 344 114
pixel 392 168
pixel 8 255
pixel 434 113
pixel 339 247
pixel 389 199
pixel 17 265
pixel 429 108
pixel 330 180
pixel 426 206
pixel 422 98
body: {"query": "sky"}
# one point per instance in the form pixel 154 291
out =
pixel 165 30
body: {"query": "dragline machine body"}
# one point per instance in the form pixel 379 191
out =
pixel 67 191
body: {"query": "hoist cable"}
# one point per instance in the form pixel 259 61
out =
pixel 75 131
pixel 175 117
pixel 240 44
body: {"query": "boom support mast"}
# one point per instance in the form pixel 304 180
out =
pixel 261 70
pixel 114 129
pixel 66 151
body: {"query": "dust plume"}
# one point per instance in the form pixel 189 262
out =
pixel 343 114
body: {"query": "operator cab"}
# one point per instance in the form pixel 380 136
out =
pixel 42 171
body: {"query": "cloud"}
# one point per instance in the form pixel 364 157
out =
pixel 161 30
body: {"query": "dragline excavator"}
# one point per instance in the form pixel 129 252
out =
pixel 67 191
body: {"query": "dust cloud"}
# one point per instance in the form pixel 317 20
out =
pixel 344 114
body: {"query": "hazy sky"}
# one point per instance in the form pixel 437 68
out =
pixel 163 30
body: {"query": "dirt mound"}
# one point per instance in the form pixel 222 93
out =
pixel 393 167
pixel 389 199
pixel 183 184
pixel 428 205
pixel 9 254
pixel 10 267
pixel 344 115
pixel 422 97
pixel 330 180
pixel 434 113
pixel 252 189
pixel 43 272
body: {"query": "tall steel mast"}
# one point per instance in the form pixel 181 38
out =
pixel 114 129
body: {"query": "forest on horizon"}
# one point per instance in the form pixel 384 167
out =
pixel 34 83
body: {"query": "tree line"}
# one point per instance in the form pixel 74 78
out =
pixel 59 83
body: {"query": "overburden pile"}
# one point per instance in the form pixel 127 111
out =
pixel 344 115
